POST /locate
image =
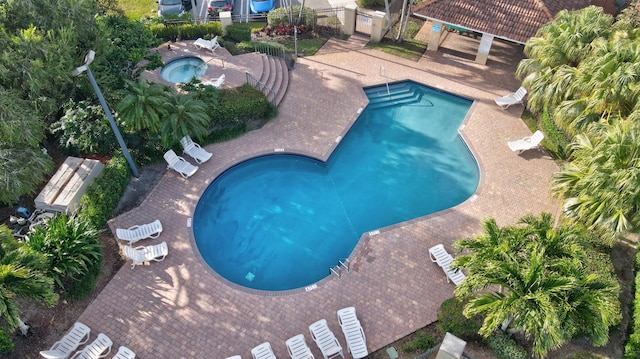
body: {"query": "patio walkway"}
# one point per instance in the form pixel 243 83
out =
pixel 180 308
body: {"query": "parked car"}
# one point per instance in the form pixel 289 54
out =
pixel 170 7
pixel 257 6
pixel 216 6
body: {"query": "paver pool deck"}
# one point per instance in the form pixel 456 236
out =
pixel 180 308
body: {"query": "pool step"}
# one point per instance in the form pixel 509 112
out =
pixel 397 95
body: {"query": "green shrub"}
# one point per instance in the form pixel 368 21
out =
pixel 278 16
pixel 371 4
pixel 632 348
pixel 186 31
pixel 238 33
pixel 6 345
pixel 557 141
pixel 84 128
pixel 506 348
pixel 70 244
pixel 451 319
pixel 422 342
pixel 84 285
pixel 103 195
pixel 241 104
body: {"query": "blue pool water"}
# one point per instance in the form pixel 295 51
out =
pixel 183 69
pixel 280 222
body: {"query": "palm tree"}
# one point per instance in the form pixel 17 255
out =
pixel 531 278
pixel 601 183
pixel 184 116
pixel 565 42
pixel 142 105
pixel 21 276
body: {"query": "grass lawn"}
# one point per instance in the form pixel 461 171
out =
pixel 136 9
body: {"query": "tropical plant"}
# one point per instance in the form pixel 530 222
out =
pixel 142 105
pixel 600 184
pixel 544 289
pixel 84 128
pixel 70 244
pixel 555 52
pixel 184 116
pixel 22 170
pixel 22 275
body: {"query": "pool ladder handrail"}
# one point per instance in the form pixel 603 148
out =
pixel 337 270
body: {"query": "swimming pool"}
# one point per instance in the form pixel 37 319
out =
pixel 279 222
pixel 183 69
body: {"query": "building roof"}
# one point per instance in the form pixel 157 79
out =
pixel 514 20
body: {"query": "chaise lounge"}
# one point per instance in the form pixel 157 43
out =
pixel 142 254
pixel 353 333
pixel 263 351
pixel 526 143
pixel 179 164
pixel 298 348
pixel 99 348
pixel 511 99
pixel 78 335
pixel 139 232
pixel 439 255
pixel 194 150
pixel 325 339
pixel 212 44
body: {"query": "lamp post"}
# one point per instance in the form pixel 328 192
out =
pixel 77 71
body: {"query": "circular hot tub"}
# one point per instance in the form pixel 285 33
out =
pixel 183 69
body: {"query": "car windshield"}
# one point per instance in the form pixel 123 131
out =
pixel 170 2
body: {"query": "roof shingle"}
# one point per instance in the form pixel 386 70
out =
pixel 514 20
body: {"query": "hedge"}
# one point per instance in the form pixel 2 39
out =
pixel 103 195
pixel 632 349
pixel 506 348
pixel 186 31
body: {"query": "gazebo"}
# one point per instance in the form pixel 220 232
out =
pixel 512 20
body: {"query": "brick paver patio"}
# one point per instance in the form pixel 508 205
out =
pixel 180 308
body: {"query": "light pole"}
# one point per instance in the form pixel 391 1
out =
pixel 77 71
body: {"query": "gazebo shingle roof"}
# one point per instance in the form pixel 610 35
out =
pixel 515 20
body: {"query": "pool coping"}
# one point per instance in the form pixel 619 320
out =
pixel 393 285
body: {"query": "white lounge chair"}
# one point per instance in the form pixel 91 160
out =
pixel 78 335
pixel 439 255
pixel 353 333
pixel 325 339
pixel 511 99
pixel 179 164
pixel 99 348
pixel 207 44
pixel 217 83
pixel 263 351
pixel 139 232
pixel 298 348
pixel 143 254
pixel 452 347
pixel 234 357
pixel 194 150
pixel 526 143
pixel 124 353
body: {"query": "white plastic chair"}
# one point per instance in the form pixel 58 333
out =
pixel 139 232
pixel 526 143
pixel 78 335
pixel 325 339
pixel 511 99
pixel 194 150
pixel 142 254
pixel 124 353
pixel 298 348
pixel 217 83
pixel 263 351
pixel 99 348
pixel 207 44
pixel 439 255
pixel 179 164
pixel 353 333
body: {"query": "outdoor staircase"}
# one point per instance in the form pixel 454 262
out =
pixel 400 93
pixel 275 75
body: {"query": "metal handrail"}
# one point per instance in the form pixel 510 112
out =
pixel 268 92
